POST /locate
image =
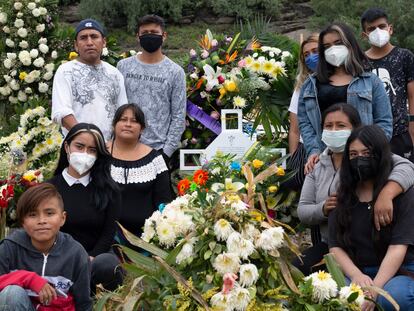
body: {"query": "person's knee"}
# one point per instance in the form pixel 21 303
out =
pixel 106 270
pixel 15 298
pixel 401 289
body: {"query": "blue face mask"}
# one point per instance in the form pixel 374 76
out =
pixel 311 61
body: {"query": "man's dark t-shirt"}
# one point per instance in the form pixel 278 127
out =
pixel 396 70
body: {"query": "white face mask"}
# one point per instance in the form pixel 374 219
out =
pixel 379 37
pixel 335 140
pixel 81 161
pixel 336 55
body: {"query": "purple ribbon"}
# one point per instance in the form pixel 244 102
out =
pixel 202 117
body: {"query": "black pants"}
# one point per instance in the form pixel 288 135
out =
pixel 402 145
pixel 106 270
pixel 311 257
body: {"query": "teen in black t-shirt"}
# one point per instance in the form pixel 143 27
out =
pixel 367 256
pixel 395 67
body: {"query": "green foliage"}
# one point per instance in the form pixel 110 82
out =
pixel 400 14
pixel 244 9
pixel 116 13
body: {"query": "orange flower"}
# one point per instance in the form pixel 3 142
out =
pixel 200 177
pixel 183 186
pixel 199 83
pixel 229 58
pixel 205 42
pixel 254 44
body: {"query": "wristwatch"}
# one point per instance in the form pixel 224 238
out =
pixel 411 118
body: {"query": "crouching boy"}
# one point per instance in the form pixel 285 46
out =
pixel 42 268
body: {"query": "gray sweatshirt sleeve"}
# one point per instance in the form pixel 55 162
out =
pixel 402 172
pixel 178 110
pixel 309 211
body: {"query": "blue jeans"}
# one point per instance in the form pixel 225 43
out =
pixel 14 297
pixel 400 287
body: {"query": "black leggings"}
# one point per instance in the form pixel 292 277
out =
pixel 106 270
pixel 311 257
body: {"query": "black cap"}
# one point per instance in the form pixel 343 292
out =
pixel 89 24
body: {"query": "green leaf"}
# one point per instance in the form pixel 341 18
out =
pixel 233 42
pixel 100 305
pixel 353 297
pixel 335 270
pixel 207 254
pixel 143 262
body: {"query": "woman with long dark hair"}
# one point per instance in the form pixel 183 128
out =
pixel 140 171
pixel 91 199
pixel 342 76
pixel 368 256
pixel 318 196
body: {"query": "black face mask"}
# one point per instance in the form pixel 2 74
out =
pixel 364 168
pixel 150 42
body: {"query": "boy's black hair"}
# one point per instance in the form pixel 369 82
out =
pixel 371 15
pixel 151 19
pixel 32 197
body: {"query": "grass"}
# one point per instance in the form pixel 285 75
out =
pixel 181 38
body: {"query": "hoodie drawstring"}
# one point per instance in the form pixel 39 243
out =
pixel 44 264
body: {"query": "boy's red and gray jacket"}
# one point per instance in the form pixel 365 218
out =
pixel 66 266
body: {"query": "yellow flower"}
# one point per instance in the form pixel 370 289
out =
pixel 278 70
pixel 256 215
pixel 322 275
pixel 272 189
pixel 230 85
pixel 256 66
pixel 49 141
pixel 268 67
pixel 239 102
pixel 222 92
pixel 280 171
pixel 257 163
pixel 249 61
pixel 22 75
pixel 247 187
pixel 73 55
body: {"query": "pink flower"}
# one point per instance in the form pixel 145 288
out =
pixel 214 43
pixel 228 282
pixel 205 54
pixel 242 63
pixel 193 53
pixel 215 115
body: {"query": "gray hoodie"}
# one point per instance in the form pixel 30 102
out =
pixel 66 266
pixel 324 181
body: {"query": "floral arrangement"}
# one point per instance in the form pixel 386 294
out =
pixel 27 63
pixel 226 72
pixel 26 155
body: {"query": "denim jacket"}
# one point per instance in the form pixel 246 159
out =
pixel 366 93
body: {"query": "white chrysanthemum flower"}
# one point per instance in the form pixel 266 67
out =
pixel 23 44
pixel 323 286
pixel 6 29
pixel 5 90
pixel 13 73
pixel 105 52
pixel 29 79
pixel 221 302
pixel 13 100
pixel 286 54
pixel 271 239
pixel 346 291
pixel 11 56
pixel 18 23
pixel 28 90
pixel 14 85
pixel 22 32
pixel 242 247
pixel 239 206
pixel 34 53
pixel 35 73
pixel 166 233
pixel 36 12
pixel 43 87
pixel 54 55
pixel 3 18
pixel 187 251
pixel 40 28
pixel 21 96
pixel 248 275
pixel 31 5
pixel 7 78
pixel 43 11
pixel 24 57
pixel 48 75
pixel 42 41
pixel 43 48
pixel 19 15
pixel 9 43
pixel 149 230
pixel 239 102
pixel 222 229
pixel 227 263
pixel 7 63
pixel 39 62
pixel 18 6
pixel 240 298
